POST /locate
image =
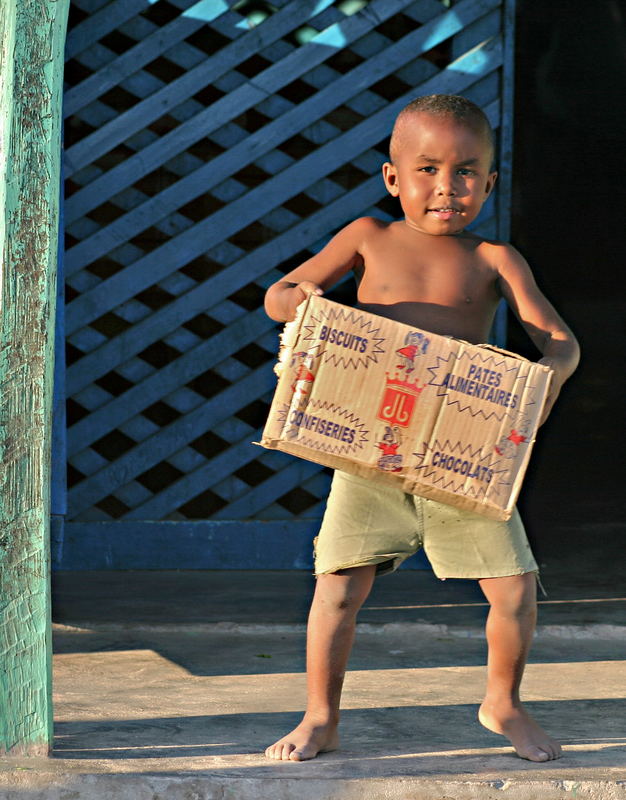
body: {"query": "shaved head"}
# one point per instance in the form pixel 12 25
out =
pixel 454 107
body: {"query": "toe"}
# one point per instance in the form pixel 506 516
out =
pixel 276 751
pixel 537 754
pixel 287 751
pixel 552 749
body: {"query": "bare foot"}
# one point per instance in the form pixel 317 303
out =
pixel 305 742
pixel 527 737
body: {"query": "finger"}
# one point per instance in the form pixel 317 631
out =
pixel 311 288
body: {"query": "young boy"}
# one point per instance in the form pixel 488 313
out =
pixel 430 272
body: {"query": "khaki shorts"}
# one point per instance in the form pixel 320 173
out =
pixel 369 523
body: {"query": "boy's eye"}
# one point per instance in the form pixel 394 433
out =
pixel 465 172
pixel 430 170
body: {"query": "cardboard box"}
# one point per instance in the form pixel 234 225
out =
pixel 433 415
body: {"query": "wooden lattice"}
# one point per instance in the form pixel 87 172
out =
pixel 210 147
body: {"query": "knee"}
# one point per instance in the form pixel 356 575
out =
pixel 516 596
pixel 343 593
pixel 521 606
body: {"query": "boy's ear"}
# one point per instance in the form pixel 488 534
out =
pixel 491 182
pixel 390 176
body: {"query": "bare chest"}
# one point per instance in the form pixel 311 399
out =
pixel 452 276
pixel 446 288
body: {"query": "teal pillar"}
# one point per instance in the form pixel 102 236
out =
pixel 32 36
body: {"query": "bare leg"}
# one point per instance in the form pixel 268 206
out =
pixel 330 633
pixel 510 627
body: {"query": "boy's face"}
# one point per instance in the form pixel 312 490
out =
pixel 441 173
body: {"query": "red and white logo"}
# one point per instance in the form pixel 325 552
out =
pixel 398 402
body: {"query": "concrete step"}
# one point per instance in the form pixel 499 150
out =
pixel 163 712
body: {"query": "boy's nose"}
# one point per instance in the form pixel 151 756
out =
pixel 447 187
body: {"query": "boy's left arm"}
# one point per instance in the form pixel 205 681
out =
pixel 543 324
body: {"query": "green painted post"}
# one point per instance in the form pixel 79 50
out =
pixel 32 36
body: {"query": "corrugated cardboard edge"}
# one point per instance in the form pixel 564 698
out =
pixel 289 336
pixel 521 473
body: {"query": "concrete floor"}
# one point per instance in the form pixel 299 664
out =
pixel 169 685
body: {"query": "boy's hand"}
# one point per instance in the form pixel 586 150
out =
pixel 321 271
pixel 297 293
pixel 556 383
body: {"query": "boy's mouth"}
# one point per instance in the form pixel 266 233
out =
pixel 444 213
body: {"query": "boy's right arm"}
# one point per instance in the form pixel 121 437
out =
pixel 323 270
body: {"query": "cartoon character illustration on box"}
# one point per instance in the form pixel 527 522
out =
pixel 415 344
pixel 390 460
pixel 507 446
pixel 303 377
